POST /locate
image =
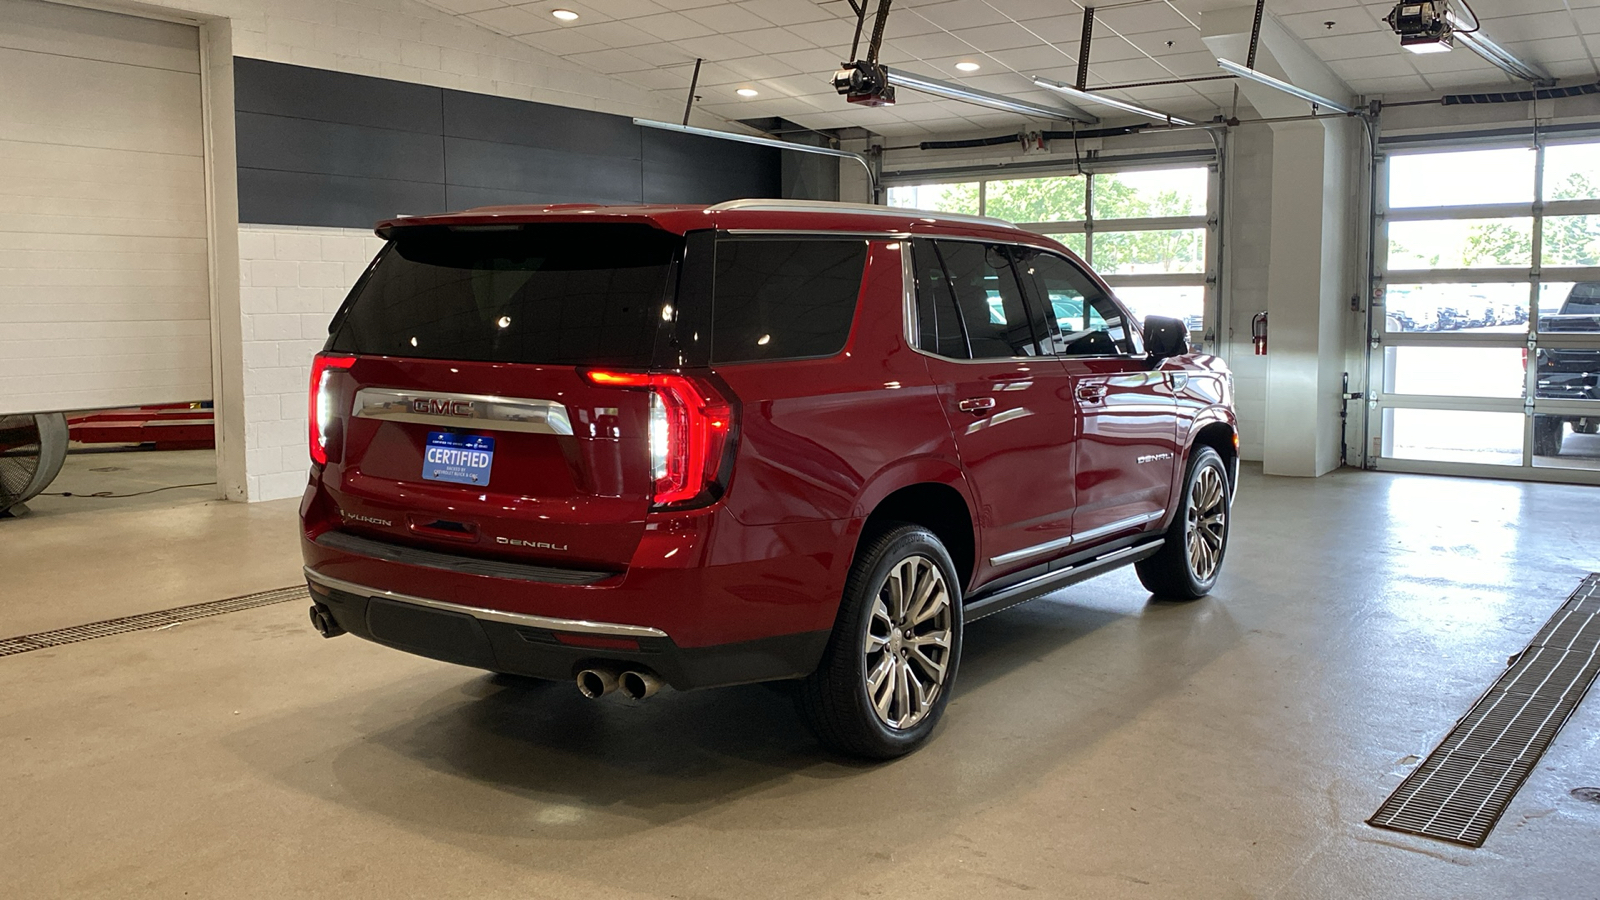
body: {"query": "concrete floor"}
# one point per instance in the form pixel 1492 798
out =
pixel 1098 745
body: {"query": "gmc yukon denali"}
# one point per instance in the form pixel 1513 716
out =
pixel 682 446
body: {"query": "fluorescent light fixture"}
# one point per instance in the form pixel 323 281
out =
pixel 903 79
pixel 758 141
pixel 1440 44
pixel 747 92
pixel 565 15
pixel 968 66
pixel 1278 84
pixel 1090 97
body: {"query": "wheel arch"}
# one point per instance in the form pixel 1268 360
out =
pixel 1221 435
pixel 938 501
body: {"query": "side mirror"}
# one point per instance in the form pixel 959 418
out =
pixel 1165 338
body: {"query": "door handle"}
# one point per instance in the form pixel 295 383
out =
pixel 976 405
pixel 1091 393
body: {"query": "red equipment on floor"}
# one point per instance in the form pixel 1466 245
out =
pixel 169 426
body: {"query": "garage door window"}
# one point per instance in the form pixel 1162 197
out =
pixel 1146 231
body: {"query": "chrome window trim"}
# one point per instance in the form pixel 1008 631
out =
pixel 911 333
pixel 485 411
pixel 1063 543
pixel 579 626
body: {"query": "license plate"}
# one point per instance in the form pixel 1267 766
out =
pixel 458 458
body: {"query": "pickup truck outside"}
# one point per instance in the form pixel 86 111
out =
pixel 1568 373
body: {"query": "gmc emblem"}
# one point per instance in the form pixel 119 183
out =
pixel 434 407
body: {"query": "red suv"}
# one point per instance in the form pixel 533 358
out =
pixel 763 440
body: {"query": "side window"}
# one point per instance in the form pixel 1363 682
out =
pixel 1090 322
pixel 989 299
pixel 784 298
pixel 939 328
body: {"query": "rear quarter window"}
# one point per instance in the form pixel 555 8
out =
pixel 784 298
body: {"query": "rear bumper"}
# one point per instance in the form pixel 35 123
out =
pixel 553 648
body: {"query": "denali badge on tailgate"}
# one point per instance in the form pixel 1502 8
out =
pixel 461 458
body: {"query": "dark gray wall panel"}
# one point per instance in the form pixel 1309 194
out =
pixel 683 168
pixel 300 198
pixel 506 121
pixel 327 148
pixel 304 145
pixel 570 177
pixel 280 89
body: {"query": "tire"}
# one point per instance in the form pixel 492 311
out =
pixel 860 700
pixel 1187 565
pixel 1548 432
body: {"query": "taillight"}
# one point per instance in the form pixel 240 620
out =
pixel 689 426
pixel 323 414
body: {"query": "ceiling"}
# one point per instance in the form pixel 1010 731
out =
pixel 787 50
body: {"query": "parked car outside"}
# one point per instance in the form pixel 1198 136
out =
pixel 681 446
pixel 1568 373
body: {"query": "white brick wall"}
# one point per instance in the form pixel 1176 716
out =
pixel 291 281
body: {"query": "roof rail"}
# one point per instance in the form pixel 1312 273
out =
pixel 829 206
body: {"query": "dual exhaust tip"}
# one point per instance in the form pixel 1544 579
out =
pixel 600 681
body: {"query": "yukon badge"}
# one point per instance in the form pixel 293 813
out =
pixel 531 545
pixel 370 520
pixel 436 406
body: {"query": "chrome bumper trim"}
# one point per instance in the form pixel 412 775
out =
pixel 579 626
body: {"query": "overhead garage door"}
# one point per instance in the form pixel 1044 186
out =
pixel 104 285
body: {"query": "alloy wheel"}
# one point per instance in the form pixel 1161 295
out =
pixel 907 651
pixel 1207 523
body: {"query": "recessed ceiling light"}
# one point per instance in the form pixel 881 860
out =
pixel 968 66
pixel 747 92
pixel 565 15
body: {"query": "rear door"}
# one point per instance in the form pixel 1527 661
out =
pixel 472 420
pixel 1009 406
pixel 1127 448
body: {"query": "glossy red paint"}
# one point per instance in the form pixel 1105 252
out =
pixel 1068 446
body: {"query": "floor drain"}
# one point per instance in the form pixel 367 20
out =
pixel 147 621
pixel 1460 791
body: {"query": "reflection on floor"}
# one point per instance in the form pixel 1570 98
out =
pixel 1098 744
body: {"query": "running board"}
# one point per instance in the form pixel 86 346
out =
pixel 1054 581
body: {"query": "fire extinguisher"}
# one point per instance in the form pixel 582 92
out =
pixel 1258 332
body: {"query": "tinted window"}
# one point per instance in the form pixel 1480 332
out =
pixel 784 298
pixel 1583 300
pixel 938 324
pixel 549 294
pixel 989 298
pixel 1090 323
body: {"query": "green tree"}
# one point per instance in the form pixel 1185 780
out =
pixel 1038 199
pixel 1573 240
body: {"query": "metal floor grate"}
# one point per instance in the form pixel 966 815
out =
pixel 1459 792
pixel 147 621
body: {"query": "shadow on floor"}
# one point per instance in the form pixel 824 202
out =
pixel 502 756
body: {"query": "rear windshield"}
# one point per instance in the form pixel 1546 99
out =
pixel 550 294
pixel 1583 300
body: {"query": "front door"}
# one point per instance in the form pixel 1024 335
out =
pixel 1010 408
pixel 1126 450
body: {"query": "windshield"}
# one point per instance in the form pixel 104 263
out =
pixel 551 294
